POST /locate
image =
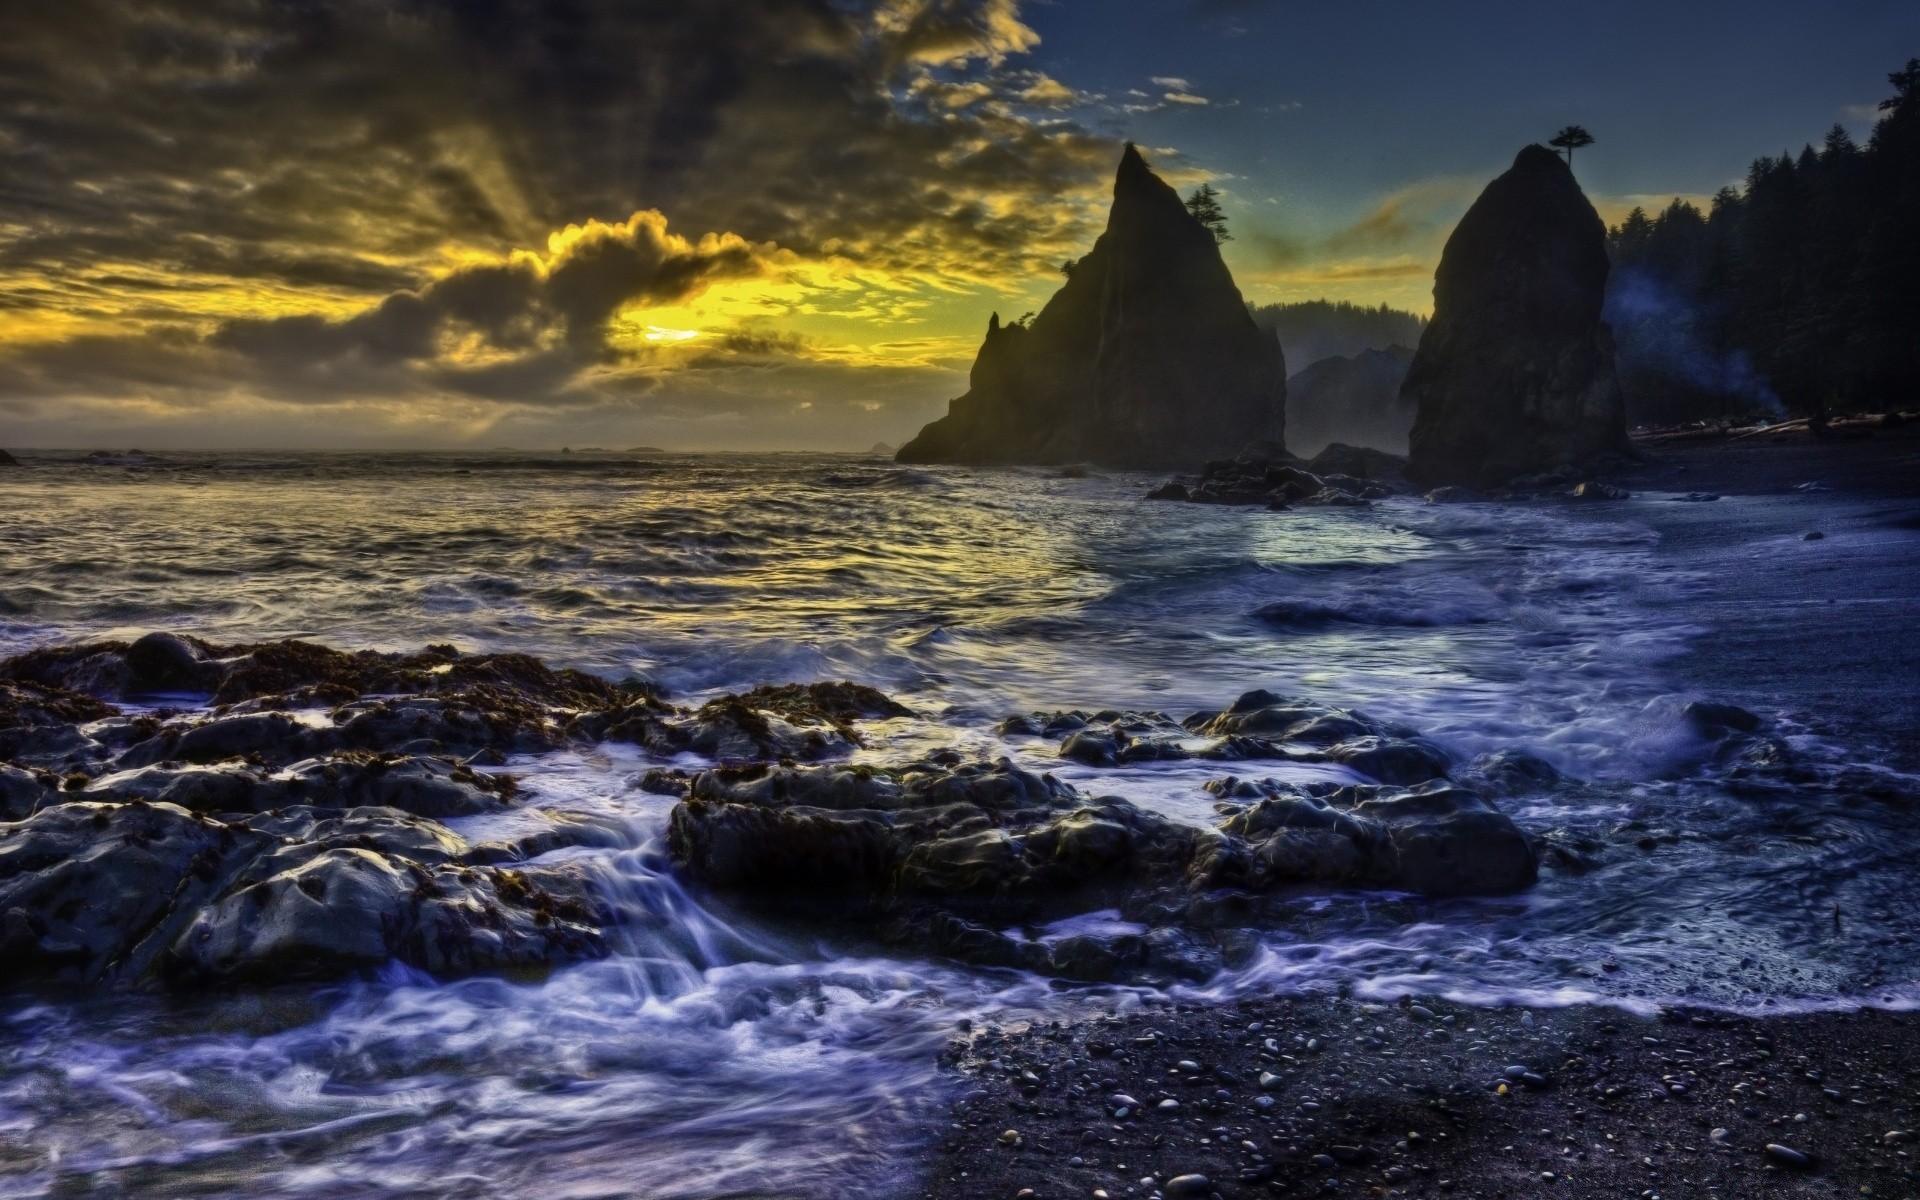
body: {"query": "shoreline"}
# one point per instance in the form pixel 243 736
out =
pixel 1608 1103
pixel 1329 1095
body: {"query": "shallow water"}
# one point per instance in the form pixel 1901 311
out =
pixel 715 1057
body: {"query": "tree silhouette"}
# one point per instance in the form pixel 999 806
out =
pixel 1204 204
pixel 1570 139
pixel 1801 281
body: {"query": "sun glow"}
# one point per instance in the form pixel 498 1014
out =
pixel 656 333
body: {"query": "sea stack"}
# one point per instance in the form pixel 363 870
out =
pixel 1147 357
pixel 1515 375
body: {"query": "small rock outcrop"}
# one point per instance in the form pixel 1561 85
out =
pixel 1352 401
pixel 1147 357
pixel 1515 374
pixel 945 856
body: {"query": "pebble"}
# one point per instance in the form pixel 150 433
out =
pixel 1181 1187
pixel 1010 1138
pixel 1169 1104
pixel 1787 1156
pixel 1189 1066
pixel 1269 1081
pixel 1515 1072
pixel 1722 1135
pixel 1526 1020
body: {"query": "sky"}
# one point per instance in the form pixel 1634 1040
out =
pixel 767 224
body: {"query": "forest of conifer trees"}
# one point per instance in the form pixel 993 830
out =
pixel 1799 291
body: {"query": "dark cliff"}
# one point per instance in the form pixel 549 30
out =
pixel 1515 374
pixel 1352 400
pixel 1147 357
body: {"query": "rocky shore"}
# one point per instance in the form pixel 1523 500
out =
pixel 289 823
pixel 1329 1095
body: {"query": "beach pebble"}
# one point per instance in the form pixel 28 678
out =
pixel 1269 1081
pixel 1515 1072
pixel 1010 1138
pixel 1169 1105
pixel 1181 1187
pixel 1189 1066
pixel 1722 1135
pixel 1787 1156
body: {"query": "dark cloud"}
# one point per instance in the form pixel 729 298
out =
pixel 376 180
pixel 320 143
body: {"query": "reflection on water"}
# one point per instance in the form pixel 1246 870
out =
pixel 712 1057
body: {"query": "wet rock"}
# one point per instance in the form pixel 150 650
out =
pixel 1169 491
pixel 1452 494
pixel 1515 373
pixel 87 888
pixel 426 787
pixel 1717 720
pixel 314 911
pixel 39 721
pixel 141 891
pixel 1591 490
pixel 734 730
pixel 1391 760
pixel 1146 357
pixel 1512 772
pixel 23 792
pixel 1435 839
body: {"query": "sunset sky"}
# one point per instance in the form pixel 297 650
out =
pixel 766 223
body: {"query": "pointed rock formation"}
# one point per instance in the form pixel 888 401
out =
pixel 1147 357
pixel 1515 374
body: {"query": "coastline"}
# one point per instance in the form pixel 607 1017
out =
pixel 1318 1094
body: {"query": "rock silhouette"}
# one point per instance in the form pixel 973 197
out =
pixel 1515 374
pixel 1355 401
pixel 1146 357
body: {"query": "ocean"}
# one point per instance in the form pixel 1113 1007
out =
pixel 719 1055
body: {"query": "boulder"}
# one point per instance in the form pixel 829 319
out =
pixel 1436 839
pixel 1147 357
pixel 1515 373
pixel 140 892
